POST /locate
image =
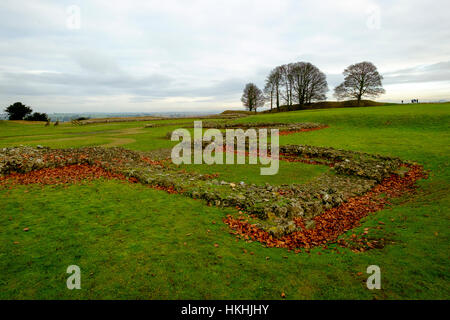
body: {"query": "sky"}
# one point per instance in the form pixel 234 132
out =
pixel 164 56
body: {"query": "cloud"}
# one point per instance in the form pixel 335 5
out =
pixel 425 73
pixel 148 55
pixel 146 88
pixel 96 62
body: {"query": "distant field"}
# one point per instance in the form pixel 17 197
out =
pixel 133 242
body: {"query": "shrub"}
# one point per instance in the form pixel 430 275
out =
pixel 36 116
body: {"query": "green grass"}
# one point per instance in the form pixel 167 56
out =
pixel 129 239
pixel 67 135
pixel 288 173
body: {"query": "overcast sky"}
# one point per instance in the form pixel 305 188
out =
pixel 157 56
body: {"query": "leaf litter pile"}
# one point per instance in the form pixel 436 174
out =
pixel 290 216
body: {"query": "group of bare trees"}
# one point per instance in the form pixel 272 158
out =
pixel 301 83
pixel 295 83
pixel 288 84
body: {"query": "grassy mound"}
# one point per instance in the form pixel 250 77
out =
pixel 331 105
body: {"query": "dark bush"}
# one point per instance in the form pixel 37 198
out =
pixel 36 116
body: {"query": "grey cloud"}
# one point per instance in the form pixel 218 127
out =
pixel 146 88
pixel 92 61
pixel 436 72
pixel 427 73
pixel 48 83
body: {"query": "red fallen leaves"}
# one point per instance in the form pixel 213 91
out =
pixel 170 189
pixel 153 162
pixel 333 222
pixel 70 174
pixel 61 175
pixel 211 176
pixel 285 133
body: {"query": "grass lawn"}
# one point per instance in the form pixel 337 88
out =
pixel 288 173
pixel 134 242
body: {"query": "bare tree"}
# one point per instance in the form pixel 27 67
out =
pixel 308 83
pixel 287 81
pixel 361 79
pixel 269 90
pixel 275 78
pixel 252 98
pixel 318 86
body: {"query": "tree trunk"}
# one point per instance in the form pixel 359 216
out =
pixel 271 99
pixel 278 101
pixel 290 95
